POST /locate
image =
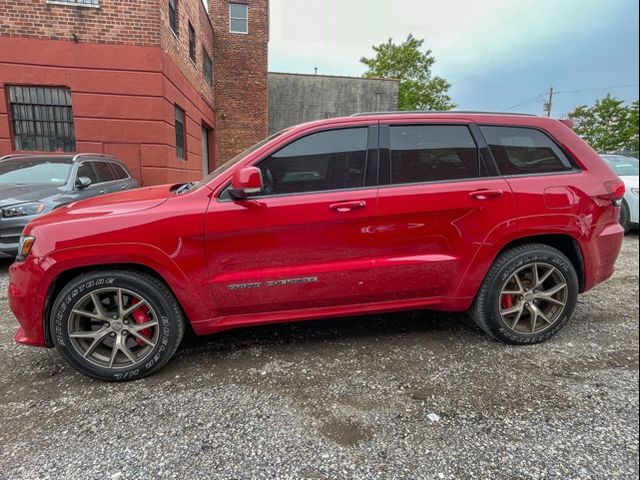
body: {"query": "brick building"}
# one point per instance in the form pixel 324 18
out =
pixel 166 86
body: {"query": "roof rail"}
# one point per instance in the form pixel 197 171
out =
pixel 417 112
pixel 74 156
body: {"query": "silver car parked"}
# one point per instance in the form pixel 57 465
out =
pixel 34 184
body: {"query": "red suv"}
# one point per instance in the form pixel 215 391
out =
pixel 508 217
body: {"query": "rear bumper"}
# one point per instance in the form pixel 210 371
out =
pixel 600 254
pixel 27 296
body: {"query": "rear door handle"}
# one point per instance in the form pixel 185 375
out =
pixel 485 194
pixel 348 206
pixel 102 192
pixel 123 187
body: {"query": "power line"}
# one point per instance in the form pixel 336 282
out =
pixel 537 98
pixel 596 89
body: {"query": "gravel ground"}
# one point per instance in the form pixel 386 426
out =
pixel 412 395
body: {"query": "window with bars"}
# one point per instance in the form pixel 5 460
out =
pixel 77 3
pixel 180 133
pixel 192 43
pixel 207 67
pixel 238 18
pixel 173 15
pixel 42 119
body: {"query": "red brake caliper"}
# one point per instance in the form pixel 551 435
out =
pixel 507 301
pixel 140 316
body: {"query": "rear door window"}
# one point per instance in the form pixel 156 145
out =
pixel 519 151
pixel 105 173
pixel 119 172
pixel 432 153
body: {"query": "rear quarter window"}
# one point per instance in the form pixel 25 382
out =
pixel 519 151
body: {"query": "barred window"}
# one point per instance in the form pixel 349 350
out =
pixel 207 67
pixel 192 43
pixel 42 119
pixel 173 15
pixel 80 3
pixel 180 133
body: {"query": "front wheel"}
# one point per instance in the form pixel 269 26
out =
pixel 528 295
pixel 116 325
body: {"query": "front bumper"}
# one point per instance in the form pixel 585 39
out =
pixel 10 231
pixel 27 296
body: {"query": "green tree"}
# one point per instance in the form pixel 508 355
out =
pixel 419 88
pixel 609 125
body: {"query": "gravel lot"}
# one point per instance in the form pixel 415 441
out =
pixel 412 395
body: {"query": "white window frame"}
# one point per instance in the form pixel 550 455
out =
pixel 74 3
pixel 231 18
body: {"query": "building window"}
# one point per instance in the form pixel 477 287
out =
pixel 180 133
pixel 77 3
pixel 192 43
pixel 238 18
pixel 173 15
pixel 42 119
pixel 207 67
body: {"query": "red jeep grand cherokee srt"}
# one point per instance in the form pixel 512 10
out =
pixel 506 216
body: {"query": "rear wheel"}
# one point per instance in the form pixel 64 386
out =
pixel 116 325
pixel 528 295
pixel 625 216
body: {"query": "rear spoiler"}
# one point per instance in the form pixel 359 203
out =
pixel 568 122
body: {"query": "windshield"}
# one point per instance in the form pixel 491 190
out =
pixel 226 166
pixel 27 171
pixel 623 166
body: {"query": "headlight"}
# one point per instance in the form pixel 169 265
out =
pixel 635 190
pixel 23 209
pixel 25 246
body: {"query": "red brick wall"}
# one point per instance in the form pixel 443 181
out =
pixel 123 101
pixel 177 46
pixel 128 22
pixel 240 71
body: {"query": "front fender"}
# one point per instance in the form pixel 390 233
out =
pixel 189 287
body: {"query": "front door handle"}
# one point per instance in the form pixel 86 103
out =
pixel 486 194
pixel 102 192
pixel 123 187
pixel 347 206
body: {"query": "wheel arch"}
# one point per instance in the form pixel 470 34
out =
pixel 563 242
pixel 64 277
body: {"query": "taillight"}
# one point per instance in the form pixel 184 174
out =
pixel 616 191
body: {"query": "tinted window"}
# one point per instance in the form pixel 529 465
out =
pixel 86 170
pixel 429 153
pixel 105 174
pixel 524 150
pixel 330 160
pixel 119 172
pixel 192 43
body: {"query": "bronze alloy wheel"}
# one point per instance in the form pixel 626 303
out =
pixel 113 328
pixel 533 298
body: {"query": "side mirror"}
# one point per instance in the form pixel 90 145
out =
pixel 245 182
pixel 83 182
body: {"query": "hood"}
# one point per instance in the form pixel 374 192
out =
pixel 120 203
pixel 630 181
pixel 18 193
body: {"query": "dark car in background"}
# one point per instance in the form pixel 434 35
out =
pixel 34 184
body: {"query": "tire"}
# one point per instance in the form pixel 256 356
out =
pixel 144 338
pixel 525 326
pixel 625 216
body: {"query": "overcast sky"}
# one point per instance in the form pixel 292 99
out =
pixel 497 54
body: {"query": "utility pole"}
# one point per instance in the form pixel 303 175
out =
pixel 548 103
